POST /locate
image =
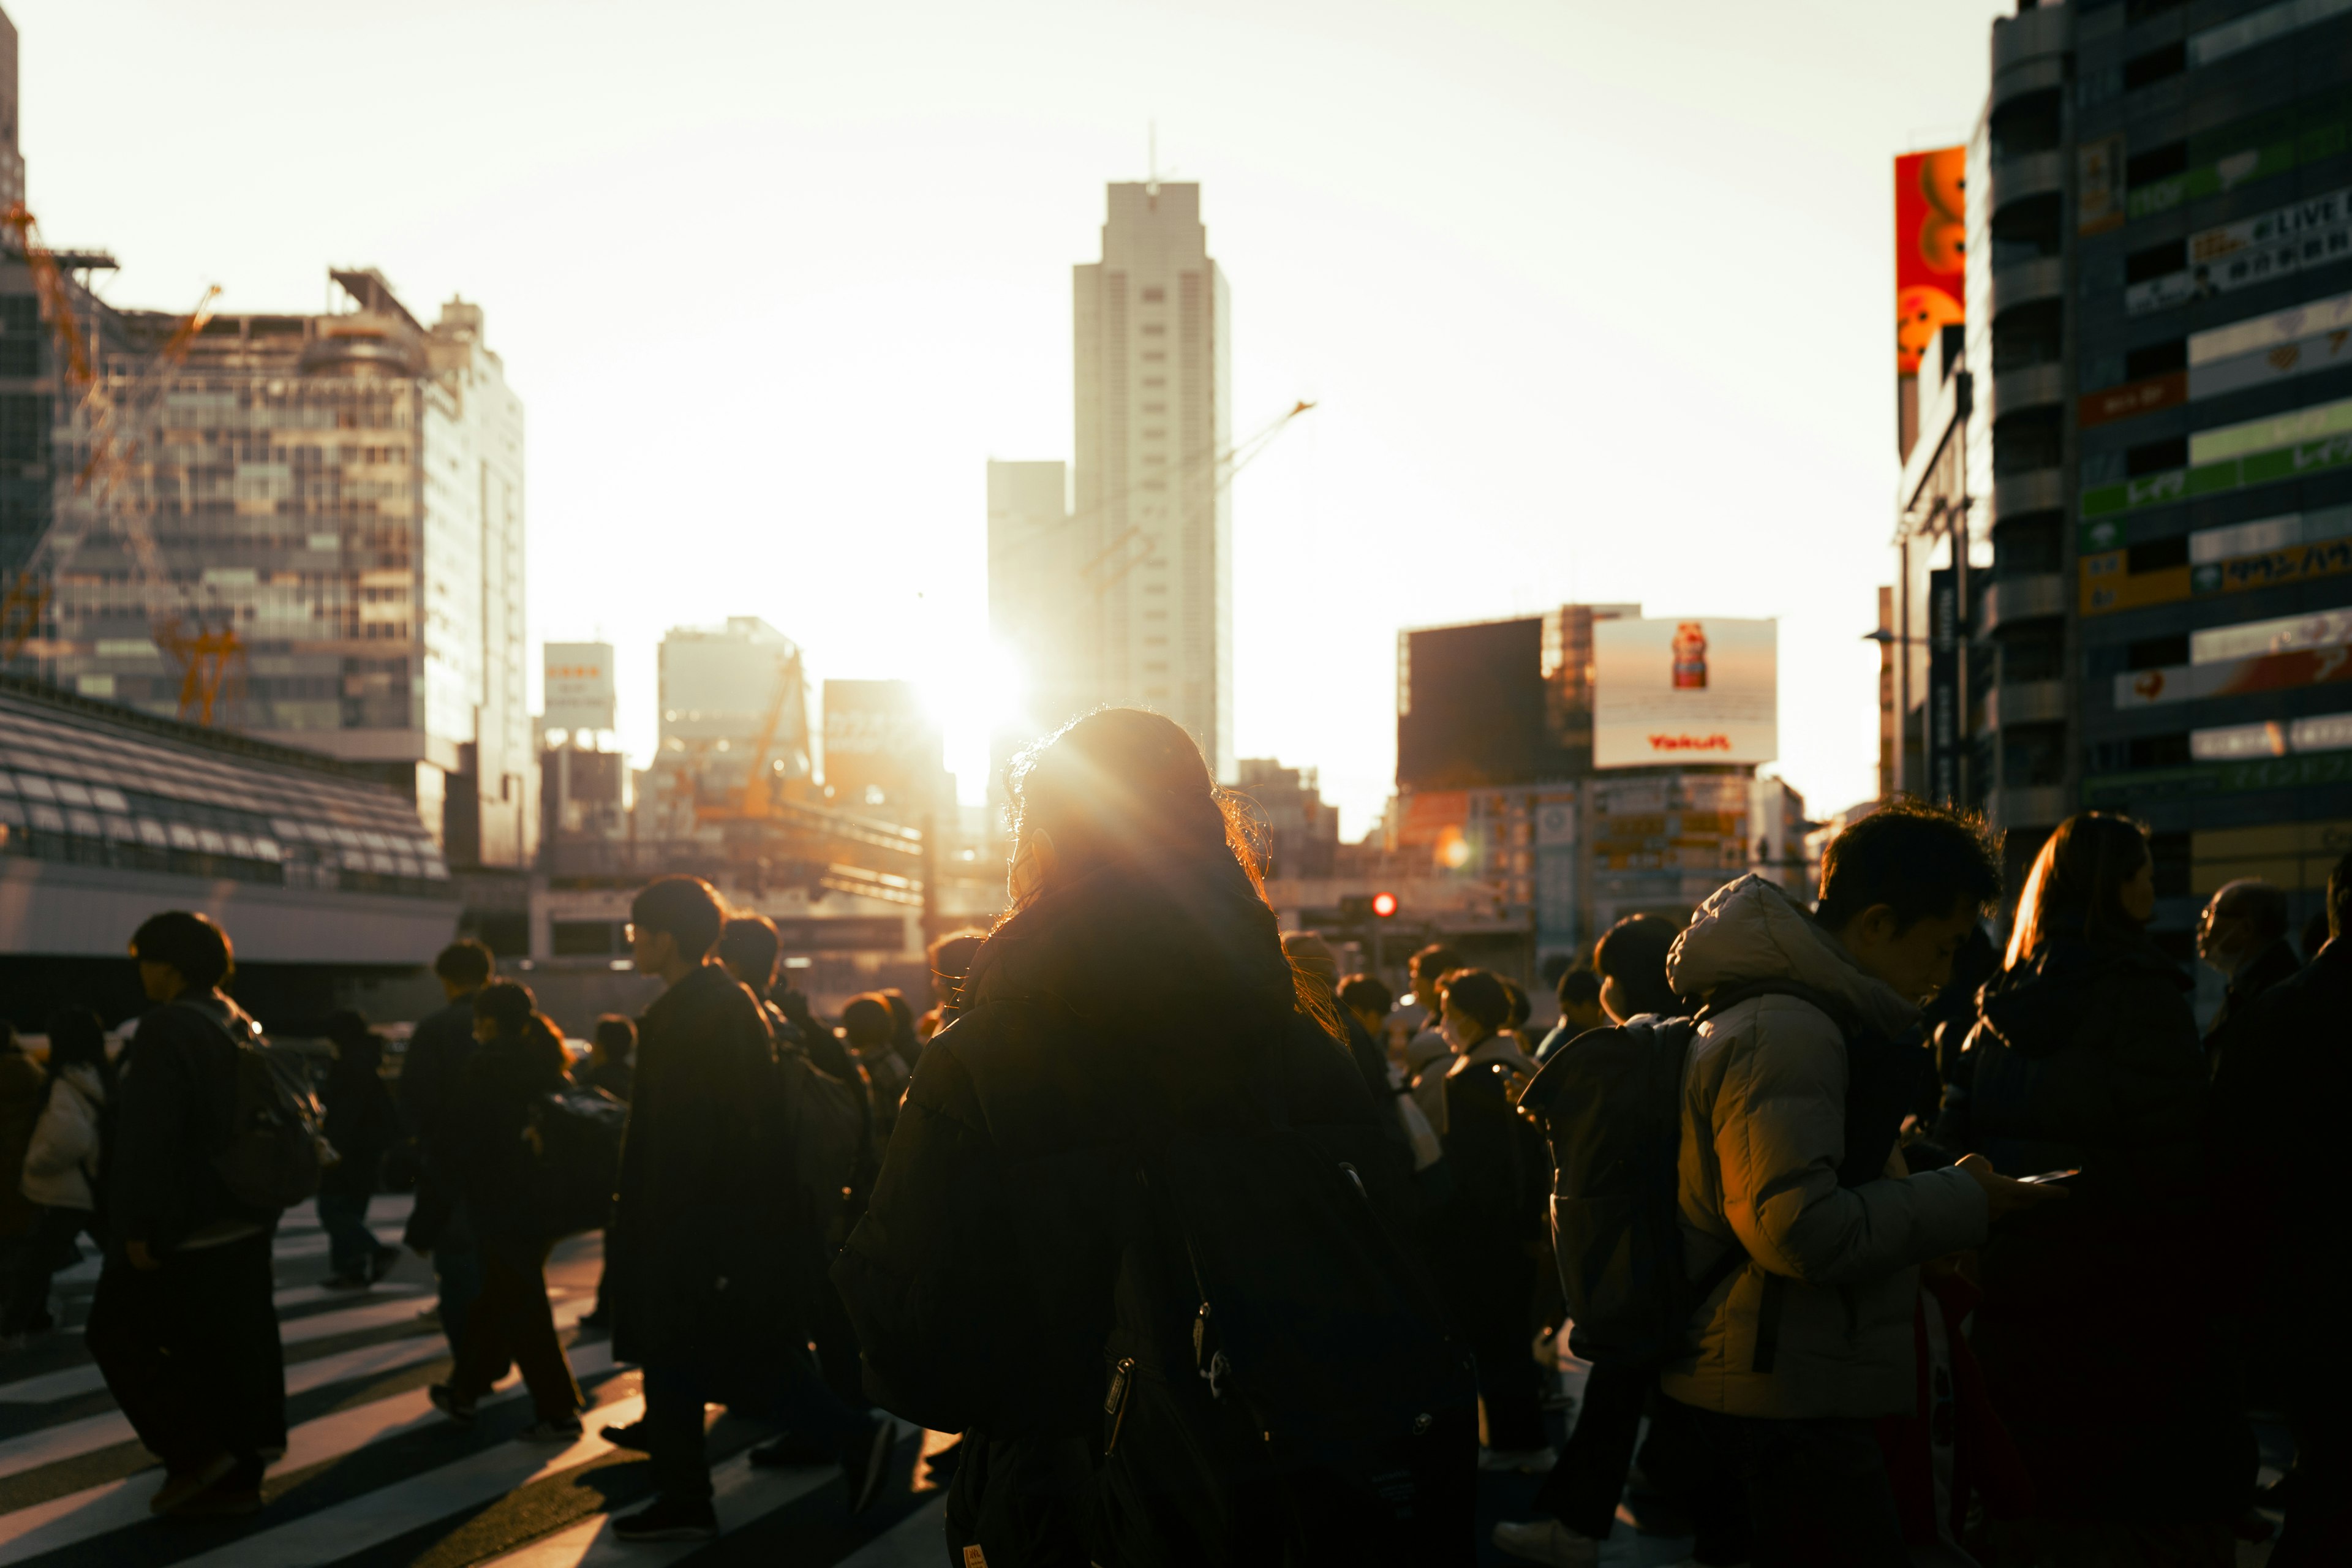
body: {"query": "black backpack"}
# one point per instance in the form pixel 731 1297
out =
pixel 1277 1387
pixel 575 1161
pixel 271 1153
pixel 1610 1104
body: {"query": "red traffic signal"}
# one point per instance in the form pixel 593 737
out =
pixel 1384 905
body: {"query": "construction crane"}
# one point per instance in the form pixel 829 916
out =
pixel 102 484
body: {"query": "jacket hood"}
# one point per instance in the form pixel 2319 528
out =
pixel 1751 930
pixel 2040 1006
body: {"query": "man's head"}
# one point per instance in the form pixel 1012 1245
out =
pixel 463 967
pixel 1902 889
pixel 868 1023
pixel 1428 964
pixel 616 1039
pixel 179 952
pixel 1580 1000
pixel 1365 996
pixel 747 947
pixel 1631 962
pixel 673 925
pixel 1473 1005
pixel 2237 922
pixel 951 958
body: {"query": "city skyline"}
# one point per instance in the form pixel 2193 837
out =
pixel 1502 379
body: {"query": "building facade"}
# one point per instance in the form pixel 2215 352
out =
pixel 2160 286
pixel 316 523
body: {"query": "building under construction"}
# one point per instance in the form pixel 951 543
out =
pixel 306 529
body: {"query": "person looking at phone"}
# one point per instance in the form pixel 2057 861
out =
pixel 2086 1055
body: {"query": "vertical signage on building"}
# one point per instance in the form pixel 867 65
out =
pixel 1944 685
pixel 1931 227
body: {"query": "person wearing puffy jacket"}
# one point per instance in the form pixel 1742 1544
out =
pixel 2087 1057
pixel 21 1090
pixel 1795 1201
pixel 61 1162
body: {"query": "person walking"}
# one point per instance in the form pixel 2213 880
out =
pixel 2278 1107
pixel 182 1326
pixel 362 1124
pixel 703 1226
pixel 1798 1215
pixel 1486 1238
pixel 438 1226
pixel 2086 1060
pixel 21 1091
pixel 62 1162
pixel 490 1146
pixel 2243 932
pixel 1005 1282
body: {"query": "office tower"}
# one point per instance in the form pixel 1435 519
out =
pixel 310 530
pixel 1041 614
pixel 2154 531
pixel 1153 513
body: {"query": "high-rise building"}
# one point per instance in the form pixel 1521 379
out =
pixel 734 699
pixel 12 159
pixel 2148 533
pixel 317 522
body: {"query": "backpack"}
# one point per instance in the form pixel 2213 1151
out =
pixel 575 1163
pixel 1277 1386
pixel 1610 1104
pixel 831 1129
pixel 272 1152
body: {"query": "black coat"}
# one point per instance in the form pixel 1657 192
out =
pixel 175 1093
pixel 362 1122
pixel 2095 1332
pixel 2265 969
pixel 980 1280
pixel 702 1226
pixel 483 1135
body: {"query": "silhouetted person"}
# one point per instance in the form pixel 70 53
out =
pixel 63 1162
pixel 1578 991
pixel 442 1043
pixel 362 1123
pixel 2243 934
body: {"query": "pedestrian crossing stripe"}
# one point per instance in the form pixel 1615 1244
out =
pixel 376 1475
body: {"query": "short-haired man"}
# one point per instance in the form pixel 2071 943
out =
pixel 438 1049
pixel 1798 1184
pixel 182 1325
pixel 2241 932
pixel 702 1226
pixel 2278 1104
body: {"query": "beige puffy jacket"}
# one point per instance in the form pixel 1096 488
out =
pixel 1832 1270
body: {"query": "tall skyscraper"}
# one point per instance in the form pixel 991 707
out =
pixel 1153 517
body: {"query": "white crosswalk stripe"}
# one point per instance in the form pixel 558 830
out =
pixel 376 1466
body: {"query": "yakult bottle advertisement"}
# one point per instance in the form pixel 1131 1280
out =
pixel 1695 690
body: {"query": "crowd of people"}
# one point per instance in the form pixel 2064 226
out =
pixel 1931 1249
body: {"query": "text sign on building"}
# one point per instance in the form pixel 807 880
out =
pixel 580 686
pixel 1704 690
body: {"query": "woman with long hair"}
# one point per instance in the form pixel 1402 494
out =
pixel 520 1059
pixel 2085 1058
pixel 1033 1229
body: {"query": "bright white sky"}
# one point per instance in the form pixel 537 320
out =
pixel 1594 299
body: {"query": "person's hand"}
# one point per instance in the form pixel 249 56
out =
pixel 140 1258
pixel 2003 1196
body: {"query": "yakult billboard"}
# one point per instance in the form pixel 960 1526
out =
pixel 1699 690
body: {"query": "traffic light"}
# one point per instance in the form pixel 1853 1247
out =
pixel 1384 905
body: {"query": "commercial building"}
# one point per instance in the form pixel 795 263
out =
pixel 307 529
pixel 734 701
pixel 1126 597
pixel 318 869
pixel 1301 829
pixel 2148 554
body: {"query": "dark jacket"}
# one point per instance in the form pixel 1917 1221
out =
pixel 2278 1108
pixel 704 1210
pixel 615 1078
pixel 362 1123
pixel 175 1092
pixel 1502 1174
pixel 437 1053
pixel 980 1280
pixel 483 1137
pixel 2264 970
pixel 2088 1056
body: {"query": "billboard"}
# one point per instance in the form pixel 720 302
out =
pixel 579 693
pixel 1930 229
pixel 881 750
pixel 1697 690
